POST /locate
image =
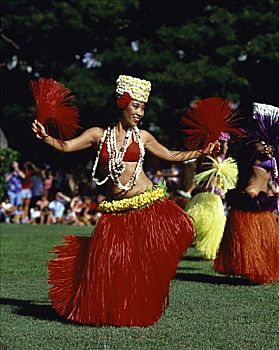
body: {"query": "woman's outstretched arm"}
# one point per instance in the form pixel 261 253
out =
pixel 87 139
pixel 160 151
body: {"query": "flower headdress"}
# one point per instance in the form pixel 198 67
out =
pixel 128 88
pixel 266 128
pixel 224 136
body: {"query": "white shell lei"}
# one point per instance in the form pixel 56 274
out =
pixel 275 170
pixel 116 165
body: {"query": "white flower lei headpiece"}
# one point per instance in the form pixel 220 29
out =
pixel 138 89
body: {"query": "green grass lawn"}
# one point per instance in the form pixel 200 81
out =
pixel 206 311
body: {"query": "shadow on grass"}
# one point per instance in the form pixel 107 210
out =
pixel 40 312
pixel 29 308
pixel 203 278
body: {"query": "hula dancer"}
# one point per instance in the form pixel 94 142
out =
pixel 250 244
pixel 121 275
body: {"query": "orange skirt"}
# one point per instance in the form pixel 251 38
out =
pixel 250 246
pixel 121 275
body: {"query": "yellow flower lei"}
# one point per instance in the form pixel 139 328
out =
pixel 139 201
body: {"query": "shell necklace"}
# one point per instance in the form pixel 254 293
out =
pixel 116 165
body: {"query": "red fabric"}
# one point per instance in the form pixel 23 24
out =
pixel 26 182
pixel 250 246
pixel 121 275
pixel 205 121
pixel 91 205
pixel 132 153
pixel 54 107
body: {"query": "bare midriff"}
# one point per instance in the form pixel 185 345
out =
pixel 258 182
pixel 143 183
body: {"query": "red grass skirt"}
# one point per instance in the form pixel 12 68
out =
pixel 250 246
pixel 121 275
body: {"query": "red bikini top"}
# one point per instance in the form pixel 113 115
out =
pixel 131 155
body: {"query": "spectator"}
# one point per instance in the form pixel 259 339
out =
pixel 86 214
pixel 7 210
pixel 171 176
pixel 98 213
pixel 182 198
pixel 35 215
pixel 70 217
pixel 14 180
pixel 37 185
pixel 57 208
pixel 71 183
pixel 26 193
pixel 64 199
pixel 76 204
pixel 48 179
pixel 58 181
pixel 84 185
pixel 19 215
pixel 43 203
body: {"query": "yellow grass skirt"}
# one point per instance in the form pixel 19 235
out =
pixel 209 222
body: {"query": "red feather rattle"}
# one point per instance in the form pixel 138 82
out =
pixel 207 119
pixel 54 108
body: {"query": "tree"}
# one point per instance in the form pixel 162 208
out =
pixel 7 156
pixel 225 48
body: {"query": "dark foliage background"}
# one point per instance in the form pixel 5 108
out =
pixel 188 49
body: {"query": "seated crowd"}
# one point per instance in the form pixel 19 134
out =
pixel 61 210
pixel 43 196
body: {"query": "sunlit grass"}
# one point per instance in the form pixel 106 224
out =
pixel 206 311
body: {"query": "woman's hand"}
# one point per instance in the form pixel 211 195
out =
pixel 212 146
pixel 39 130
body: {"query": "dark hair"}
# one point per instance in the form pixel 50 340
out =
pixel 246 159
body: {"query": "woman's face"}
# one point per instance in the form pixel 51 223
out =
pixel 264 149
pixel 133 113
